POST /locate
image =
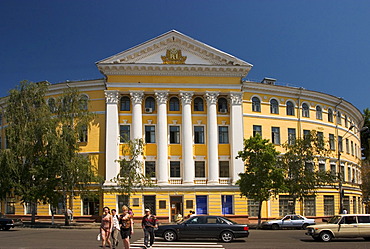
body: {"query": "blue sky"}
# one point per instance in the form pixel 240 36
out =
pixel 321 45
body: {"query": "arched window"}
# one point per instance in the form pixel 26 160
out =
pixel 149 104
pixel 256 104
pixel 174 104
pixel 318 112
pixel 52 105
pixel 222 105
pixel 290 108
pixel 274 106
pixel 198 104
pixel 125 103
pixel 339 118
pixel 305 110
pixel 83 101
pixel 330 115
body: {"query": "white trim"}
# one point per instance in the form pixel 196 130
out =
pixel 174 86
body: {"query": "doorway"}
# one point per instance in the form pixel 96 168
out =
pixel 176 206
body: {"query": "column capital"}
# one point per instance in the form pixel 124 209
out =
pixel 111 96
pixel 236 98
pixel 161 96
pixel 186 97
pixel 211 97
pixel 137 97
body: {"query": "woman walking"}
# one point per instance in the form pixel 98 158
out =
pixel 106 227
pixel 127 226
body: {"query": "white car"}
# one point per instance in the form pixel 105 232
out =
pixel 289 221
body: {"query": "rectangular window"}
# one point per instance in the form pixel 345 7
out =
pixel 223 134
pixel 291 136
pixel 346 204
pixel 189 204
pixel 135 202
pixel 199 134
pixel 30 206
pixel 347 145
pixel 82 134
pixel 320 138
pixel 257 129
pixel 328 205
pixel 308 166
pixel 321 166
pixel 252 208
pixel 200 169
pixel 310 206
pixel 124 133
pixel 349 171
pixel 174 134
pixel 331 142
pixel 91 206
pixel 149 202
pixel 10 205
pixel 227 204
pixel 174 169
pixel 275 135
pixel 224 168
pixel 162 204
pixel 352 150
pixel 285 205
pixel 201 204
pixel 149 134
pixel 306 134
pixel 123 200
pixel 150 168
pixel 333 169
pixel 354 205
pixel 340 143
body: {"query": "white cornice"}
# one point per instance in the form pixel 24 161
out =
pixel 148 86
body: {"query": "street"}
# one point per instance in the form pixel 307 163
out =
pixel 27 238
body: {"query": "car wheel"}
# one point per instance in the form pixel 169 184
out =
pixel 169 236
pixel 227 236
pixel 6 228
pixel 326 236
pixel 275 227
pixel 304 226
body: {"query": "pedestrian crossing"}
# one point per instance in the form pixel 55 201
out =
pixel 161 244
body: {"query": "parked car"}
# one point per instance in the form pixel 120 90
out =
pixel 203 227
pixel 6 223
pixel 342 226
pixel 289 221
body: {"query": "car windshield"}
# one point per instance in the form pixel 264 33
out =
pixel 334 220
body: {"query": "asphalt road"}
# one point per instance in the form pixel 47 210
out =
pixel 27 238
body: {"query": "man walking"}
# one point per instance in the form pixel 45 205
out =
pixel 115 229
pixel 148 223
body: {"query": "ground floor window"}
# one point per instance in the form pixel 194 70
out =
pixel 91 206
pixel 201 204
pixel 346 204
pixel 58 209
pixel 328 205
pixel 252 208
pixel 285 205
pixel 354 205
pixel 30 206
pixel 227 204
pixel 10 205
pixel 149 202
pixel 122 200
pixel 309 206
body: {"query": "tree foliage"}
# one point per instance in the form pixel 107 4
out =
pixel 302 178
pixel 262 177
pixel 131 177
pixel 365 146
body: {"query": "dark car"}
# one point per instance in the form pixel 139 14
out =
pixel 5 223
pixel 203 227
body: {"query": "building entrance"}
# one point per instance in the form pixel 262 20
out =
pixel 176 206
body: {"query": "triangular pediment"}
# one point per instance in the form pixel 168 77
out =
pixel 173 51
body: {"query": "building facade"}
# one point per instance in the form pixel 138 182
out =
pixel 189 103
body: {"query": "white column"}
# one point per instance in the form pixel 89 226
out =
pixel 187 138
pixel 112 135
pixel 212 138
pixel 236 134
pixel 137 111
pixel 162 143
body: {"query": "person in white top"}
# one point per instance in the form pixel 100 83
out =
pixel 115 229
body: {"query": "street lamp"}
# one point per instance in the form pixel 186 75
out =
pixel 341 190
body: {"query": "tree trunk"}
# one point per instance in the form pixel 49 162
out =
pixel 33 212
pixel 52 214
pixel 259 214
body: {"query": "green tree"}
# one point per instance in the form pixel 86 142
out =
pixel 263 177
pixel 28 127
pixel 302 178
pixel 365 146
pixel 74 171
pixel 131 177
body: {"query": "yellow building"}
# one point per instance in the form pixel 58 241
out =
pixel 188 102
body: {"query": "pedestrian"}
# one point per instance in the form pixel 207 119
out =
pixel 192 213
pixel 115 228
pixel 178 217
pixel 127 226
pixel 70 214
pixel 106 227
pixel 344 211
pixel 149 223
